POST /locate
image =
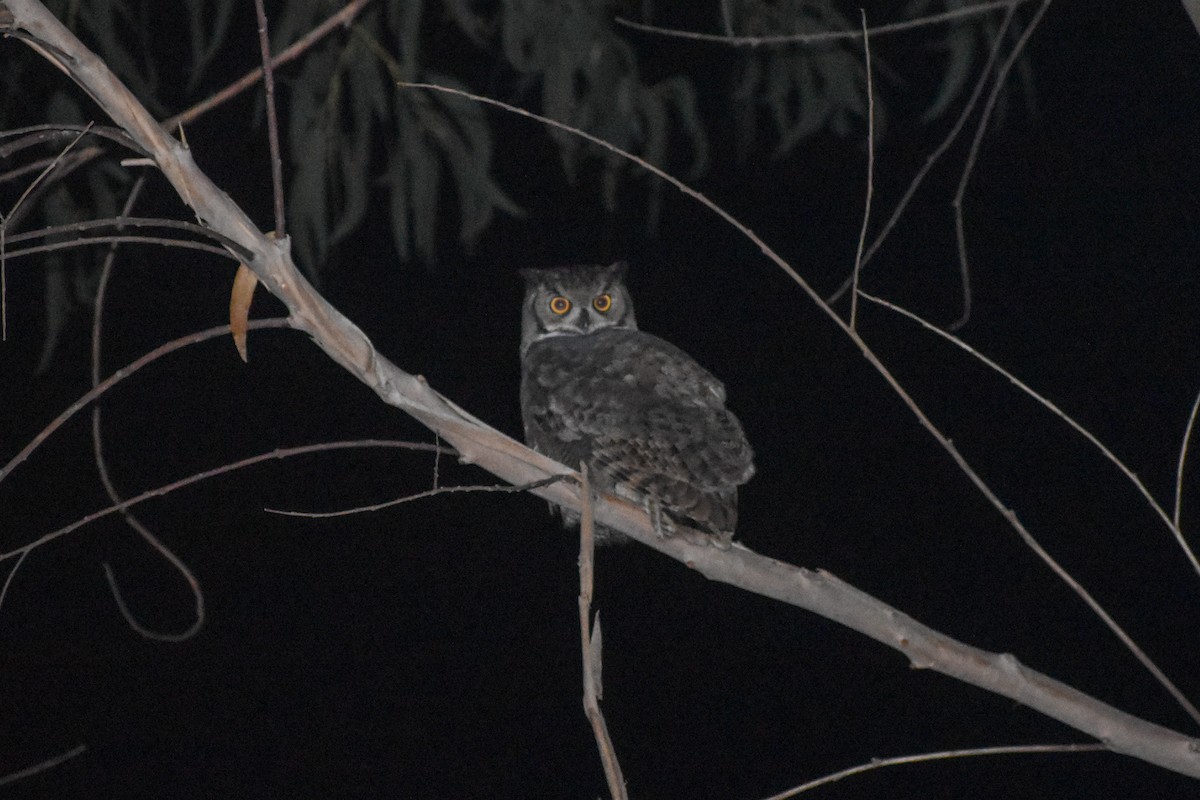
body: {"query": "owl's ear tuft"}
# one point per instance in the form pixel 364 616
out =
pixel 617 270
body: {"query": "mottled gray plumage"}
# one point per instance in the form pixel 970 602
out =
pixel 650 422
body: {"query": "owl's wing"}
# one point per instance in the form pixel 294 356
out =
pixel 653 364
pixel 642 412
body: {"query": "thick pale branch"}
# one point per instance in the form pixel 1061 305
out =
pixel 816 591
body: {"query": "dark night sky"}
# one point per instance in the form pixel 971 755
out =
pixel 431 650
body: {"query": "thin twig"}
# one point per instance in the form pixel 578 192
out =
pixel 591 642
pixel 292 52
pixel 434 492
pixel 826 36
pixel 135 222
pixel 1049 560
pixel 106 479
pixel 8 579
pixel 1183 452
pixel 960 235
pixel 264 43
pixel 937 153
pixel 48 132
pixel 122 374
pixel 862 233
pixel 726 18
pixel 49 763
pixel 84 153
pixel 66 166
pixel 879 763
pixel 277 454
pixel 49 168
pixel 186 244
pixel 1129 474
pixel 4 222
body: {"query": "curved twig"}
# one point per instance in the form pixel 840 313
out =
pixel 1130 475
pixel 106 479
pixel 277 454
pixel 186 244
pixel 935 156
pixel 1049 560
pixel 42 766
pixel 919 758
pixel 238 251
pixel 960 234
pixel 1183 453
pixel 866 217
pixel 122 374
pixel 824 36
pixel 434 492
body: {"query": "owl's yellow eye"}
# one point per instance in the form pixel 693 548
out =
pixel 602 302
pixel 560 305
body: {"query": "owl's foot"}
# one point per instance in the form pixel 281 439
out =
pixel 665 527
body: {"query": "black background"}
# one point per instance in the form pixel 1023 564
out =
pixel 431 650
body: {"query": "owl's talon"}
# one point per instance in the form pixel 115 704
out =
pixel 663 526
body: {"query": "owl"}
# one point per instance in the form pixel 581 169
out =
pixel 649 422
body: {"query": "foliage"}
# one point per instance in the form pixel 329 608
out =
pixel 353 137
pixel 803 88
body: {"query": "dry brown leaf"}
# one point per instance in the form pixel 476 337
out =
pixel 239 307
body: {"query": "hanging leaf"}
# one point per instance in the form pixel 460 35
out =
pixel 244 283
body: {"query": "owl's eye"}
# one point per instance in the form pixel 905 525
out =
pixel 560 305
pixel 602 302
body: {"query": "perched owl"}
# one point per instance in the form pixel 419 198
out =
pixel 650 422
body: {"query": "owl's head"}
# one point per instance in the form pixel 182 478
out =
pixel 574 301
